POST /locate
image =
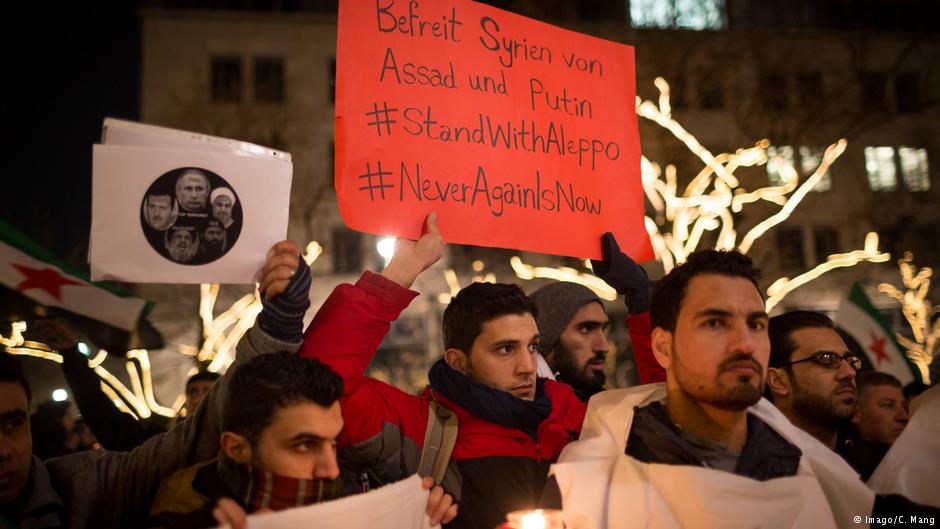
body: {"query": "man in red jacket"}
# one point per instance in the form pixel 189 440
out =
pixel 512 426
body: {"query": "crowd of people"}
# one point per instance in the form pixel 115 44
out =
pixel 741 420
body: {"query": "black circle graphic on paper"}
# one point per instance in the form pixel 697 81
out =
pixel 191 216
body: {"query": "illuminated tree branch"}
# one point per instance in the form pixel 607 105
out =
pixel 918 312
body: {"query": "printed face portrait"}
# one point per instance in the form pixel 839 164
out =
pixel 192 191
pixel 198 202
pixel 214 235
pixel 222 209
pixel 181 245
pixel 160 211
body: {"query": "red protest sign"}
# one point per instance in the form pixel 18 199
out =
pixel 517 133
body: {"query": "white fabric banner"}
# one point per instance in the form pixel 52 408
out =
pixel 912 465
pixel 400 505
pixel 603 488
pixel 162 215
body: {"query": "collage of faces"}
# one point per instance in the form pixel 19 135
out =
pixel 191 216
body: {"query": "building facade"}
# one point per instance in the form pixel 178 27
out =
pixel 798 74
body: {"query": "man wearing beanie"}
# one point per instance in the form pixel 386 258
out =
pixel 573 326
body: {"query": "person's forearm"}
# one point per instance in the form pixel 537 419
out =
pixel 114 429
pixel 351 323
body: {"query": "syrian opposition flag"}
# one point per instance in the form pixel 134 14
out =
pixel 858 317
pixel 34 272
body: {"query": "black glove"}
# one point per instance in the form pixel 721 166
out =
pixel 283 316
pixel 628 278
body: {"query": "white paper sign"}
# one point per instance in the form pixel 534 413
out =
pixel 400 505
pixel 173 215
pixel 120 132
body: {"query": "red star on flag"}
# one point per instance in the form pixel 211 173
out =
pixel 44 279
pixel 877 346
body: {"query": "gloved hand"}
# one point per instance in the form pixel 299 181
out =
pixel 284 285
pixel 628 278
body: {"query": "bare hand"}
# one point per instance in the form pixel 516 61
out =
pixel 227 512
pixel 413 257
pixel 54 333
pixel 441 506
pixel 281 265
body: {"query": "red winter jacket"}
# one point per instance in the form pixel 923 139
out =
pixel 639 326
pixel 493 470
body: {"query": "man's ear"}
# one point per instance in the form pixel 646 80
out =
pixel 778 381
pixel 456 359
pixel 236 447
pixel 661 341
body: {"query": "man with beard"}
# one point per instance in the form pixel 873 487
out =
pixel 573 324
pixel 812 374
pixel 573 331
pixel 213 242
pixel 222 200
pixel 181 243
pixel 703 450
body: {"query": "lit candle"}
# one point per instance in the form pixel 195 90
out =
pixel 535 519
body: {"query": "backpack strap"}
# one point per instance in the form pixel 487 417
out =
pixel 439 439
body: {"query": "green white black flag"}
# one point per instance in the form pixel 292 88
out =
pixel 858 317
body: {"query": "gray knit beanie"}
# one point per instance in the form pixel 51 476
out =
pixel 557 303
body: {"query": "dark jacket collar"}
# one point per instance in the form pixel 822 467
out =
pixel 491 404
pixel 655 439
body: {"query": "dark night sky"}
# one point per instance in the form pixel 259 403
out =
pixel 70 66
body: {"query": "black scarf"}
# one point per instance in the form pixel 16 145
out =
pixel 493 405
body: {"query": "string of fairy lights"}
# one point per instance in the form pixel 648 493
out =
pixel 678 221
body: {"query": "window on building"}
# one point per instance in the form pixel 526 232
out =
pixel 332 80
pixel 269 79
pixel 825 241
pixel 773 90
pixel 879 164
pixel 226 79
pixel 785 152
pixel 711 94
pixel 914 170
pixel 874 94
pixel 907 92
pixel 790 247
pixel 810 158
pixel 678 14
pixel 347 251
